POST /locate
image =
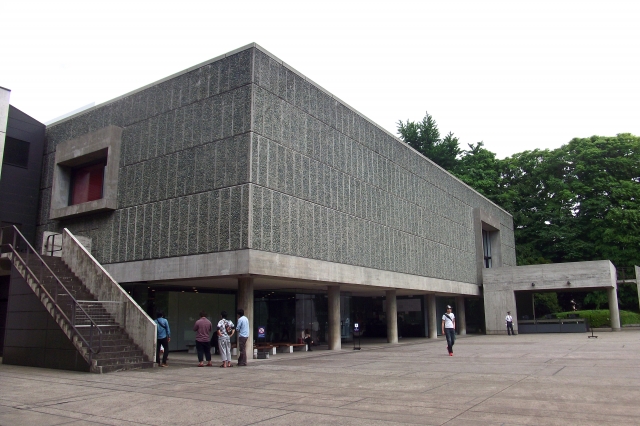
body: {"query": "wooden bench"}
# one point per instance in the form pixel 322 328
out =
pixel 288 347
pixel 265 347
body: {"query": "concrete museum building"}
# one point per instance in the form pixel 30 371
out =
pixel 241 183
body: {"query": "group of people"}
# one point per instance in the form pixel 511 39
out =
pixel 225 329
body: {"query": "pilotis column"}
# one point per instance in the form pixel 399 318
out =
pixel 245 301
pixel 335 343
pixel 392 317
pixel 461 321
pixel 614 313
pixel 431 312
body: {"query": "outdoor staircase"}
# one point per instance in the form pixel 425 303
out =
pixel 118 351
pixel 95 326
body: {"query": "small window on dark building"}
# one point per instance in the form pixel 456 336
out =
pixel 87 183
pixel 16 152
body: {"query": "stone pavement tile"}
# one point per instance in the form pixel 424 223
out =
pixel 80 418
pixel 140 408
pixel 326 401
pixel 241 417
pixel 547 418
pixel 405 415
pixel 509 405
pixel 589 394
pixel 28 417
pixel 480 377
pixel 296 419
pixel 32 392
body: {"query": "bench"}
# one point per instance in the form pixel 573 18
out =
pixel 268 347
pixel 288 347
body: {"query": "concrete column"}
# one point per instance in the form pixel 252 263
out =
pixel 245 301
pixel 392 316
pixel 335 343
pixel 431 312
pixel 614 313
pixel 461 321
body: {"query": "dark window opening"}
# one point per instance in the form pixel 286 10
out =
pixel 87 183
pixel 486 246
pixel 16 152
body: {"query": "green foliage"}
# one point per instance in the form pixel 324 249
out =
pixel 424 137
pixel 601 318
pixel 596 299
pixel 546 303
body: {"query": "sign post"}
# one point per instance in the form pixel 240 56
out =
pixel 356 333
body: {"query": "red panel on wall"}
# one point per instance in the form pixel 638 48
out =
pixel 87 183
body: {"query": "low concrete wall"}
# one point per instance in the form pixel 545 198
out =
pixel 501 283
pixel 140 327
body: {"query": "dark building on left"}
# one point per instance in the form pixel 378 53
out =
pixel 21 147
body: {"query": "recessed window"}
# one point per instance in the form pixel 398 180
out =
pixel 486 246
pixel 85 174
pixel 87 183
pixel 16 152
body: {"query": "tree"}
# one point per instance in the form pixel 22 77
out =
pixel 424 137
pixel 479 168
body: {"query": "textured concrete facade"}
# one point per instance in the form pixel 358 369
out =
pixel 243 152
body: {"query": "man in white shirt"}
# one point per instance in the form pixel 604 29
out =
pixel 449 329
pixel 509 321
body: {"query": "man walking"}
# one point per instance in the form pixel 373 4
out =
pixel 163 338
pixel 243 334
pixel 509 321
pixel 203 328
pixel 449 329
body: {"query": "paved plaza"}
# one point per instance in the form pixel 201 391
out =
pixel 543 379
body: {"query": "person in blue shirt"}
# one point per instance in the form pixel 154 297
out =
pixel 243 334
pixel 164 337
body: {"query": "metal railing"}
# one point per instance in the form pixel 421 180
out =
pixel 50 244
pixel 626 274
pixel 34 268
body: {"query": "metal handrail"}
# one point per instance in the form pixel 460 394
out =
pixel 53 244
pixel 65 292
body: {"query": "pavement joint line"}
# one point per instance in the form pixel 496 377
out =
pixel 562 368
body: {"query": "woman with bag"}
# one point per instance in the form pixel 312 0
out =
pixel 225 331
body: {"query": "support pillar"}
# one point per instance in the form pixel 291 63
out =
pixel 335 343
pixel 614 313
pixel 392 316
pixel 431 312
pixel 245 301
pixel 461 321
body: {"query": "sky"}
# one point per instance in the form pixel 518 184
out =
pixel 516 75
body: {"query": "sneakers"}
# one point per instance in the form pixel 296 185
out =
pixel 450 353
pixel 162 365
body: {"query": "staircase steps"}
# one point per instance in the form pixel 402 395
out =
pixel 118 351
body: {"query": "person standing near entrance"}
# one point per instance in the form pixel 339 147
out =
pixel 163 339
pixel 509 320
pixel 243 335
pixel 449 329
pixel 225 331
pixel 203 327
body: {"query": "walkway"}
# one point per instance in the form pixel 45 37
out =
pixel 539 379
